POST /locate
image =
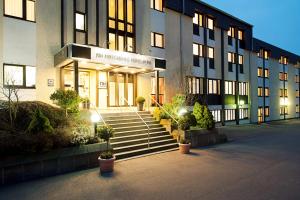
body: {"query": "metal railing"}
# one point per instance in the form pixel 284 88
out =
pixel 130 106
pixel 98 113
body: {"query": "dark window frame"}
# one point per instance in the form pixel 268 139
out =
pixel 24 11
pixel 154 40
pixel 154 7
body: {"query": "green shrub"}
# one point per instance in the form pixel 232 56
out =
pixel 191 118
pixel 105 133
pixel 140 100
pixel 166 111
pixel 157 113
pixel 182 140
pixel 68 100
pixel 39 123
pixel 82 135
pixel 184 124
pixel 203 116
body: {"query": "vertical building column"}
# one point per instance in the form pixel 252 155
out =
pixel 222 79
pixel 205 60
pixel 237 95
pixel 62 23
pixel 264 86
pixel 157 86
pixel 76 76
pixel 283 65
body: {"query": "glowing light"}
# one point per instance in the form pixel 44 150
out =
pixel 106 65
pixel 284 101
pixel 182 111
pixel 95 118
pixel 242 102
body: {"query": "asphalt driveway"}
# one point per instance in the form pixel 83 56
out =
pixel 260 162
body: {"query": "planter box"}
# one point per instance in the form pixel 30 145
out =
pixel 202 137
pixel 167 123
pixel 23 168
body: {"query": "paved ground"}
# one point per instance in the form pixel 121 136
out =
pixel 261 162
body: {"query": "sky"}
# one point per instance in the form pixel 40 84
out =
pixel 275 21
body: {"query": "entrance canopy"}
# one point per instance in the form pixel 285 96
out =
pixel 106 59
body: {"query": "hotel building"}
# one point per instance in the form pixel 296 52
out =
pixel 112 51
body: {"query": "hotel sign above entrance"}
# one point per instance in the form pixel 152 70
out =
pixel 111 57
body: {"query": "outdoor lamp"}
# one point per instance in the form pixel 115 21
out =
pixel 242 103
pixel 95 119
pixel 182 111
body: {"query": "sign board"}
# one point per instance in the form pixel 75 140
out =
pixel 102 85
pixel 111 57
pixel 50 82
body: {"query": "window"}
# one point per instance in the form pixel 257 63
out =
pixel 283 76
pixel 23 9
pixel 297 80
pixel 231 60
pixel 259 72
pixel 19 75
pixel 267 73
pixel 198 19
pixel 283 60
pixel 260 115
pixel 211 56
pixel 297 108
pixel 157 5
pixel 297 93
pixel 260 91
pixel 243 113
pixel 283 110
pixel 243 89
pixel 241 63
pixel 240 35
pixel 195 85
pixel 157 40
pixel 230 87
pixel 267 111
pixel 231 32
pixel 267 92
pixel 217 115
pixel 213 86
pixel 80 21
pixel 266 55
pixel 121 25
pixel 283 93
pixel 197 51
pixel 210 26
pixel 229 115
pixel 161 89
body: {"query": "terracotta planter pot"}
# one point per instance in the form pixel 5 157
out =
pixel 184 148
pixel 106 165
pixel 140 106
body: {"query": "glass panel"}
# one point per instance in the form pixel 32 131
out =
pixel 121 43
pixel 130 93
pixel 210 52
pixel 68 80
pixel 121 26
pixel 30 12
pixel 30 76
pixel 152 39
pixel 196 49
pixel 14 8
pixel 210 23
pixel 159 40
pixel 195 19
pixel 120 9
pixel 80 21
pixel 13 75
pixel 84 84
pixel 112 24
pixel 130 44
pixel 112 9
pixel 112 41
pixel 121 85
pixel 130 11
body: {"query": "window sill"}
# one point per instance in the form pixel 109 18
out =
pixel 20 87
pixel 158 47
pixel 18 18
pixel 160 11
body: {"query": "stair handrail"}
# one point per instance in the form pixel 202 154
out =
pixel 141 119
pixel 160 106
pixel 98 113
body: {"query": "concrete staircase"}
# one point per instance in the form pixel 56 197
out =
pixel 131 135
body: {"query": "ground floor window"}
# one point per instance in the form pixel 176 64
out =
pixel 267 111
pixel 297 108
pixel 243 113
pixel 229 115
pixel 22 76
pixel 283 110
pixel 243 88
pixel 161 89
pixel 217 115
pixel 213 86
pixel 260 115
pixel 195 85
pixel 230 87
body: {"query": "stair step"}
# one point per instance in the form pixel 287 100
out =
pixel 140 141
pixel 141 131
pixel 134 124
pixel 136 128
pixel 124 113
pixel 138 136
pixel 143 145
pixel 137 119
pixel 116 117
pixel 146 151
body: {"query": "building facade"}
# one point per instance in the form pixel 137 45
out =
pixel 111 51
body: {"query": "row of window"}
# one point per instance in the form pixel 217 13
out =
pixel 260 92
pixel 232 60
pixel 21 76
pixel 200 51
pixel 266 55
pixel 260 72
pixel 230 114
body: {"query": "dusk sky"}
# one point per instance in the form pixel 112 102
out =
pixel 276 22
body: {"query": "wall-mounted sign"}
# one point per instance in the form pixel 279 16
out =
pixel 102 85
pixel 50 82
pixel 111 57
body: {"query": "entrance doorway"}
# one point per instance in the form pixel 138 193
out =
pixel 121 87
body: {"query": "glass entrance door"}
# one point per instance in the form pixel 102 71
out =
pixel 121 87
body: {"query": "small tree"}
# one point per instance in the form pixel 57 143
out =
pixel 39 123
pixel 66 99
pixel 203 116
pixel 11 94
pixel 105 133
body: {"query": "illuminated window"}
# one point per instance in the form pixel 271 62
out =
pixel 210 23
pixel 297 108
pixel 259 72
pixel 112 41
pixel 198 19
pixel 210 52
pixel 80 21
pixel 283 93
pixel 240 35
pixel 243 113
pixel 266 55
pixel 283 110
pixel 267 73
pixel 157 40
pixel 229 115
pixel 243 88
pixel 297 79
pixel 198 49
pixel 267 92
pixel 16 8
pixel 157 5
pixel 216 114
pixel 297 93
pixel 260 114
pixel 195 85
pixel 230 87
pixel 260 91
pixel 283 76
pixel 213 86
pixel 231 32
pixel 161 85
pixel 231 61
pixel 241 63
pixel 19 76
pixel 211 56
pixel 267 111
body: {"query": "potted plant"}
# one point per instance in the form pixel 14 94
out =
pixel 106 158
pixel 184 125
pixel 140 101
pixel 86 104
pixel 184 146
